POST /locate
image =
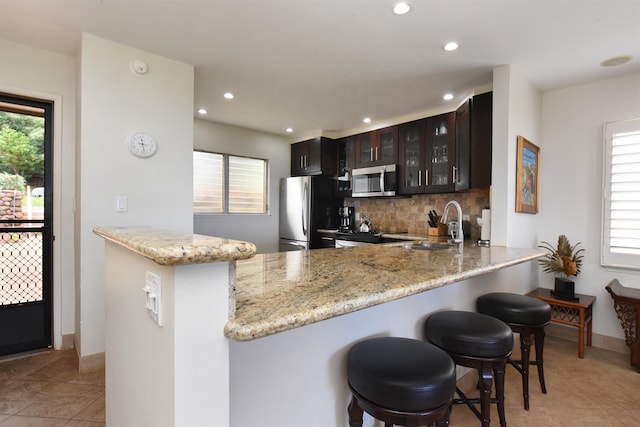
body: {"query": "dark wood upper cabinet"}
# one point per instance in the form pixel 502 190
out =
pixel 441 153
pixel 316 156
pixel 378 147
pixel 412 155
pixel 427 154
pixel 481 140
pixel 346 163
pixel 462 163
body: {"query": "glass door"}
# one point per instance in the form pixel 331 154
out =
pixel 26 239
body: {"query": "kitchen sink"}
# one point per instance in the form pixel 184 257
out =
pixel 426 246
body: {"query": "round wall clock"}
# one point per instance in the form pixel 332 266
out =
pixel 142 144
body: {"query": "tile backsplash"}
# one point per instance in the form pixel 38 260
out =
pixel 409 214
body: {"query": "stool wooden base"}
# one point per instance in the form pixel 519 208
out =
pixel 438 417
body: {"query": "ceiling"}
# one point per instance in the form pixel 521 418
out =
pixel 323 65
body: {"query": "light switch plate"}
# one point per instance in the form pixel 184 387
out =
pixel 153 290
pixel 122 204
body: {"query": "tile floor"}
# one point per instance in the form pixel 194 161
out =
pixel 600 390
pixel 46 390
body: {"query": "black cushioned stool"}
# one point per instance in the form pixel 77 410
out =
pixel 476 341
pixel 526 316
pixel 400 381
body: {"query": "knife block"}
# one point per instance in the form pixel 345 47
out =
pixel 440 230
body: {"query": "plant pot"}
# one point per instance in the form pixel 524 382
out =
pixel 564 288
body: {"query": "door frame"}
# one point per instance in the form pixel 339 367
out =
pixel 45 312
pixel 63 309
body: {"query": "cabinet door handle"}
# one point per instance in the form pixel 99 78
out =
pixel 376 153
pixel 455 175
pixel 371 155
pixel 426 177
pixel 419 178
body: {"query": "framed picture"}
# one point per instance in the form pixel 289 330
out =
pixel 527 176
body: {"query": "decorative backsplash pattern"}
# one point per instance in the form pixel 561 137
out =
pixel 409 214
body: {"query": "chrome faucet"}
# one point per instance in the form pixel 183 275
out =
pixel 459 235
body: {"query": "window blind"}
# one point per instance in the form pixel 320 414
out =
pixel 223 183
pixel 246 185
pixel 208 182
pixel 621 195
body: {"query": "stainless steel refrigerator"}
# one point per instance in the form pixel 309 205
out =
pixel 307 203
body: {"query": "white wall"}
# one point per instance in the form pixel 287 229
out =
pixel 571 180
pixel 45 75
pixel 262 230
pixel 114 103
pixel 517 111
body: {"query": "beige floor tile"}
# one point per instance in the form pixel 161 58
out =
pixel 62 407
pixel 94 412
pixel 18 421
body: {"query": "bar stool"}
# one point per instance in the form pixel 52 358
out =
pixel 526 316
pixel 400 381
pixel 476 341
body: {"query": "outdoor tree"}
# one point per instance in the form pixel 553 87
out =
pixel 17 154
pixel 32 126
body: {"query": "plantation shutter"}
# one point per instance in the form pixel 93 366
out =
pixel 621 195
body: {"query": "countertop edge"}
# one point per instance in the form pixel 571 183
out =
pixel 171 248
pixel 246 332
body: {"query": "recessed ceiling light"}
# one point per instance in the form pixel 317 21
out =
pixel 367 120
pixel 401 8
pixel 228 95
pixel 447 97
pixel 202 111
pixel 616 60
pixel 289 130
pixel 451 46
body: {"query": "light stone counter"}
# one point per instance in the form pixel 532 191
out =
pixel 281 291
pixel 173 248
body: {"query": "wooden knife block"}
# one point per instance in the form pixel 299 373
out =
pixel 440 230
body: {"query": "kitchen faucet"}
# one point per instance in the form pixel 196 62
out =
pixel 459 235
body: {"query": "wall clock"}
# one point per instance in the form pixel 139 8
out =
pixel 142 144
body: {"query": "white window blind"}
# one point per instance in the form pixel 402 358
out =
pixel 621 195
pixel 246 185
pixel 208 182
pixel 228 184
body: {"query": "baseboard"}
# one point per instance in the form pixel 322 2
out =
pixel 68 341
pixel 92 362
pixel 570 333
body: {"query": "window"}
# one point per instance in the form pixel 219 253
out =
pixel 621 195
pixel 223 183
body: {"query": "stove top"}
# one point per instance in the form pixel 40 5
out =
pixel 356 236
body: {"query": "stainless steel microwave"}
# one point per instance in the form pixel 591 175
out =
pixel 374 181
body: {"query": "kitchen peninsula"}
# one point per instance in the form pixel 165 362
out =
pixel 291 317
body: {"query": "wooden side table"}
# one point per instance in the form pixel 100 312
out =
pixel 577 313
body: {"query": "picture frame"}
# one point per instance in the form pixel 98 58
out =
pixel 527 176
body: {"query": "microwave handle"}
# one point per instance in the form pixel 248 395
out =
pixel 382 179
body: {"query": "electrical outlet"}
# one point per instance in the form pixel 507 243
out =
pixel 153 290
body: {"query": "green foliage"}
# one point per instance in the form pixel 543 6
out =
pixel 11 182
pixel 31 126
pixel 18 155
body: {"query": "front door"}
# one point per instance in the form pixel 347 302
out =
pixel 26 238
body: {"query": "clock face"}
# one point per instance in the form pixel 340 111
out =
pixel 142 144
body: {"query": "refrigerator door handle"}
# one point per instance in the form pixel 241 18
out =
pixel 305 213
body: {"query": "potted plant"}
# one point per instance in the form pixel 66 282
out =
pixel 564 261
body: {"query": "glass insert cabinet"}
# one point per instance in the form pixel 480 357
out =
pixel 427 155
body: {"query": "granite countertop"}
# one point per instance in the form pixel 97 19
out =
pixel 174 248
pixel 281 291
